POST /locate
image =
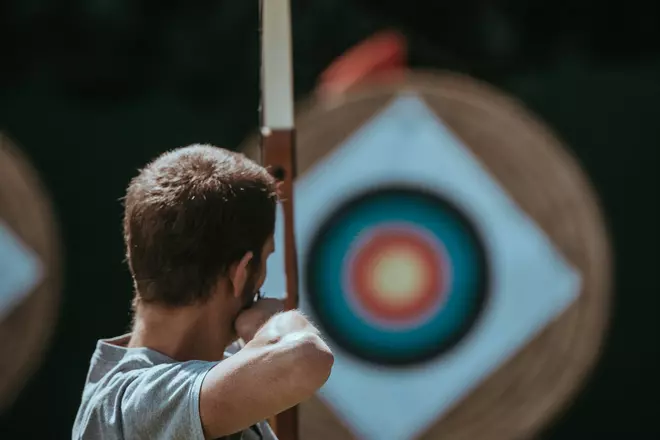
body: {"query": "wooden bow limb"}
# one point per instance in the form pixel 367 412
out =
pixel 278 148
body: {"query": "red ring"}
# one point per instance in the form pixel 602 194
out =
pixel 395 240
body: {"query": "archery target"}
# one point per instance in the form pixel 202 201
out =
pixel 398 275
pixel 454 258
pixel 29 271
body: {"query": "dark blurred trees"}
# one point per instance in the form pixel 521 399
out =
pixel 112 49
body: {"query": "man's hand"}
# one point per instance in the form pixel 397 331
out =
pixel 284 364
pixel 251 320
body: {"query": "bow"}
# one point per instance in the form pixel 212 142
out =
pixel 278 147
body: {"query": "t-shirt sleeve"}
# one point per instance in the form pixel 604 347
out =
pixel 162 402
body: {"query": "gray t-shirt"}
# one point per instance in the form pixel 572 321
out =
pixel 140 394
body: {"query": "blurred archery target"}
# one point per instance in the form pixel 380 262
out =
pixel 380 171
pixel 398 275
pixel 29 271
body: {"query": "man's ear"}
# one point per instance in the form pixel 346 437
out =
pixel 238 274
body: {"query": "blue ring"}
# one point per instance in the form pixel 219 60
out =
pixel 465 297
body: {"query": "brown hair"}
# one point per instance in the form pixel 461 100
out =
pixel 189 215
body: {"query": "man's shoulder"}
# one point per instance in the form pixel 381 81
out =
pixel 109 372
pixel 105 386
pixel 121 388
pixel 138 372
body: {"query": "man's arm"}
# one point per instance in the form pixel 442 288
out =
pixel 283 365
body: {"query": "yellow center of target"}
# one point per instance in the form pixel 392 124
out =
pixel 398 277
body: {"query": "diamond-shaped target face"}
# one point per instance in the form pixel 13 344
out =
pixel 398 276
pixel 414 256
pixel 20 270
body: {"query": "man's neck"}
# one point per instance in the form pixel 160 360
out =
pixel 182 333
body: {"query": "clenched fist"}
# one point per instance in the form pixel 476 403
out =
pixel 251 320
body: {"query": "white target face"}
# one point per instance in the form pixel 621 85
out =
pixel 422 272
pixel 20 270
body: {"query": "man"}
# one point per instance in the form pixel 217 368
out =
pixel 198 228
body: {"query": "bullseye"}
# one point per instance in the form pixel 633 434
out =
pixel 396 275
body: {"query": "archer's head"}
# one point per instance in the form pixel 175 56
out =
pixel 198 228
